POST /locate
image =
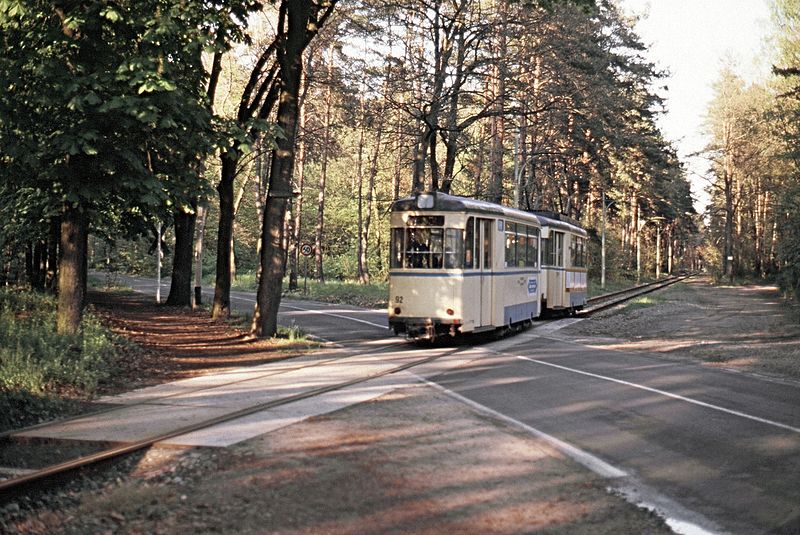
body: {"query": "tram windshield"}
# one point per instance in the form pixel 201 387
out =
pixel 427 247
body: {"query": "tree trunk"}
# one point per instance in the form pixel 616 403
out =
pixel 273 254
pixel 29 264
pixel 236 203
pixel 360 194
pixel 323 177
pixel 180 288
pixel 202 213
pixel 727 261
pixel 498 94
pixel 51 279
pixel 294 247
pixel 222 288
pixel 72 273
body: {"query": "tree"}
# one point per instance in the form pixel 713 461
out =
pixel 786 118
pixel 298 23
pixel 221 24
pixel 101 110
pixel 742 154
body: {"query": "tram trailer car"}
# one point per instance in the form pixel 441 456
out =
pixel 460 265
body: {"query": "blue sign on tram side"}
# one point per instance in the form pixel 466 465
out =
pixel 532 285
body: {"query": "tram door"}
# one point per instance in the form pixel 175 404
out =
pixel 483 234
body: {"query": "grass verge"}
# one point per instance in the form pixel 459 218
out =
pixel 373 295
pixel 42 373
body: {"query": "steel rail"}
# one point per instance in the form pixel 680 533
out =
pixel 320 362
pixel 118 451
pixel 628 294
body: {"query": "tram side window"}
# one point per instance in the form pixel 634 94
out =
pixel 397 247
pixel 469 244
pixel 522 242
pixel 511 244
pixel 522 245
pixel 578 251
pixel 453 248
pixel 486 246
pixel 558 249
pixel 553 250
pixel 532 251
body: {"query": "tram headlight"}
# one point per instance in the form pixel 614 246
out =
pixel 425 200
pixel 450 312
pixel 396 311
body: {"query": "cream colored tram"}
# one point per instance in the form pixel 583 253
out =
pixel 459 265
pixel 564 267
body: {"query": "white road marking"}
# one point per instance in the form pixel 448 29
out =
pixel 593 463
pixel 665 393
pixel 320 312
pixel 250 300
pixel 680 519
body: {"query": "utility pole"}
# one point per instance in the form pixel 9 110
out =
pixel 158 263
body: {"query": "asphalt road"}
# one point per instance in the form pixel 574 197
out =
pixel 714 451
pixel 341 324
pixel 724 446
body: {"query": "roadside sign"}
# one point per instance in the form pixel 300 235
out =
pixel 306 249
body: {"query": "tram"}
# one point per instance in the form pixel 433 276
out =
pixel 460 265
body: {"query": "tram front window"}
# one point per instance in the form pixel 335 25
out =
pixel 427 248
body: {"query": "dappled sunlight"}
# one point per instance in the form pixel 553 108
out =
pixel 653 344
pixel 742 328
pixel 414 462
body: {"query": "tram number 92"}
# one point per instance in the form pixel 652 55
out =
pixel 398 299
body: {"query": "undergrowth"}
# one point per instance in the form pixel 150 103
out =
pixel 643 302
pixel 39 366
pixel 373 295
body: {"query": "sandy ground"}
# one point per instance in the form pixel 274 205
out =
pixel 743 328
pixel 414 461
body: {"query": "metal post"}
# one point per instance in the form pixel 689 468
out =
pixel 658 250
pixel 638 249
pixel 517 171
pixel 158 263
pixel 603 247
pixel 305 277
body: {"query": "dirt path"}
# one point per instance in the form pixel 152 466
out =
pixel 174 343
pixel 746 328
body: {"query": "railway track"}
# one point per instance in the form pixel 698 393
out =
pixel 22 477
pixel 606 301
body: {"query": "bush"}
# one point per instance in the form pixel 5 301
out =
pixel 37 364
pixel 374 295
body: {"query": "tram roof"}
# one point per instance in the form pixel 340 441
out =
pixel 443 202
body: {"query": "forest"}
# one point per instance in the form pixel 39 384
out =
pixel 230 133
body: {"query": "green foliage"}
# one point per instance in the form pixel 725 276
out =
pixel 292 333
pixel 712 260
pixel 103 107
pixel 643 302
pixel 373 295
pixel 35 360
pixel 789 246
